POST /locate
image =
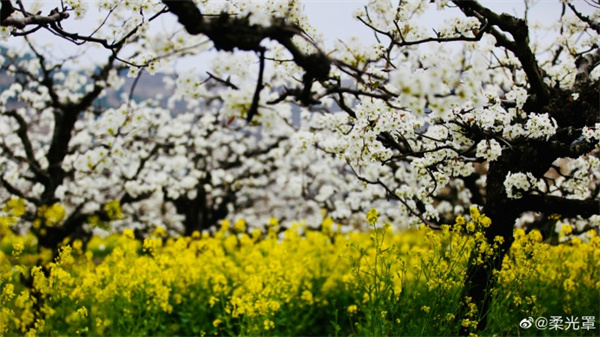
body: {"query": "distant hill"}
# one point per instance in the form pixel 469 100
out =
pixel 148 86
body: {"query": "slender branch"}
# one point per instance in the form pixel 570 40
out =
pixel 226 82
pixel 478 34
pixel 259 86
pixel 593 24
pixel 81 39
pixel 395 196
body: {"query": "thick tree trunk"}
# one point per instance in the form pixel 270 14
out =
pixel 503 213
pixel 480 280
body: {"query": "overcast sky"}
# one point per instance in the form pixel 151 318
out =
pixel 334 18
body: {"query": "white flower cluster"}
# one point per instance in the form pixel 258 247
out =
pixel 540 126
pixel 584 172
pixel 517 184
pixel 489 149
pixel 459 26
pixel 5 32
pixel 537 126
pixel 592 134
pixel 291 163
pixel 518 95
pixel 78 6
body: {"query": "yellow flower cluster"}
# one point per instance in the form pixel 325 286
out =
pixel 240 283
pixel 113 210
pixel 538 272
pixel 11 212
pixel 51 215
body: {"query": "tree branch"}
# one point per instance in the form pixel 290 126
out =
pixel 22 133
pixel 566 207
pixel 229 32
pixel 259 86
pixel 594 25
pixel 438 39
pixel 585 64
pixel 15 191
pixel 40 20
pixel 6 11
pixel 520 47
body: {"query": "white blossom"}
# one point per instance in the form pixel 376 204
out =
pixel 489 149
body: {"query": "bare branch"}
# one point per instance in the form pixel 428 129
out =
pixel 478 34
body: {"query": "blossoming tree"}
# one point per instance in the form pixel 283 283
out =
pixel 77 164
pixel 482 108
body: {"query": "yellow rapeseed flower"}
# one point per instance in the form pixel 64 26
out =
pixel 83 313
pixel 53 214
pixel 258 277
pixel 269 324
pixel 17 248
pixel 372 216
pixel 569 285
pixel 113 210
pixel 327 225
pixel 519 233
pixel 128 233
pixel 485 221
pixel 151 245
pixel 7 293
pixel 307 296
pixel 565 229
pixel 240 226
pixel 15 206
pixel 225 225
pixel 160 232
pixel 196 235
pixel 212 301
pixel 535 236
pixel 474 211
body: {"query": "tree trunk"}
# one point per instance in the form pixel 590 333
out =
pixel 503 213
